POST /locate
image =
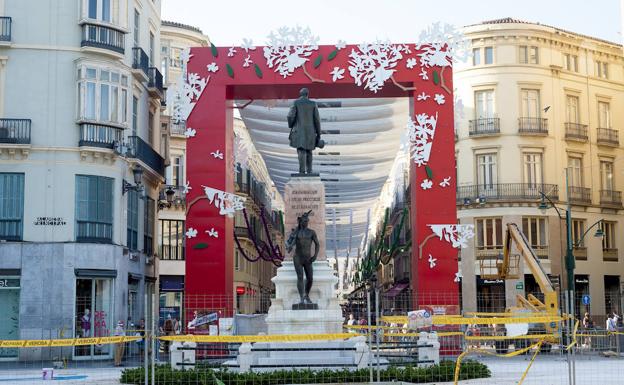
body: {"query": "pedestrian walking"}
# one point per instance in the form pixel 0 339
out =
pixel 120 346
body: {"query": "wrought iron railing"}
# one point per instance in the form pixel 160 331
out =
pixel 15 131
pixel 611 198
pixel 484 126
pixel 576 131
pixel 579 194
pixel 5 28
pixel 99 135
pixel 506 192
pixel 177 128
pixel 533 126
pixel 139 149
pixel 608 136
pixel 242 187
pixel 155 79
pixel 140 60
pixel 99 36
pixel 241 232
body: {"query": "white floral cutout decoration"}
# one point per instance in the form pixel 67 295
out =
pixel 341 45
pixel 187 187
pixel 188 90
pixel 212 233
pixel 289 48
pixel 212 67
pixel 446 182
pixel 231 51
pixel 422 97
pixel 337 73
pixel 432 261
pixel 217 154
pixel 420 135
pixel 191 233
pixel 457 235
pixel 372 64
pixel 441 45
pixel 190 132
pixel 458 276
pixel 439 98
pixel 248 45
pixel 226 202
pixel 410 63
pixel 247 61
pixel 423 74
pixel 426 184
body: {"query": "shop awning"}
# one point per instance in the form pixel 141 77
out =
pixel 395 290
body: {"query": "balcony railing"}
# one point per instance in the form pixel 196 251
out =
pixel 99 135
pixel 171 252
pixel 611 198
pixel 15 131
pixel 576 131
pixel 580 195
pixel 506 192
pixel 179 196
pixel 99 36
pixel 242 187
pixel 155 80
pixel 5 28
pixel 533 126
pixel 137 148
pixel 178 128
pixel 140 60
pixel 610 255
pixel 484 126
pixel 608 137
pixel 241 232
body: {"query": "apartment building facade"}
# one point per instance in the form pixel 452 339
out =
pixel 80 169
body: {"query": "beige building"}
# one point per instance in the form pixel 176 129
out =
pixel 539 101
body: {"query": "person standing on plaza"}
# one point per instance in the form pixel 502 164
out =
pixel 588 325
pixel 350 322
pixel 120 346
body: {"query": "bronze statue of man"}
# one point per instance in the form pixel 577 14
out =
pixel 305 130
pixel 302 239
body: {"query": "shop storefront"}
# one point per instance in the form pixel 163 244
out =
pixel 581 293
pixel 490 295
pixel 9 313
pixel 171 298
pixel 94 311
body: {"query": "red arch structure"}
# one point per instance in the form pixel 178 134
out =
pixel 216 76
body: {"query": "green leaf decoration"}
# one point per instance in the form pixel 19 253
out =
pixel 429 172
pixel 200 246
pixel 317 61
pixel 230 70
pixel 214 50
pixel 436 78
pixel 332 55
pixel 258 71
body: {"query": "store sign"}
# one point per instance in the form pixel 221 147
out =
pixel 50 221
pixel 6 283
pixel 581 280
pixel 519 286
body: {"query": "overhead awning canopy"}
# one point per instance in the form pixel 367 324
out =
pixel 395 290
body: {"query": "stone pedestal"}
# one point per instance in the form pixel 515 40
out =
pixel 302 194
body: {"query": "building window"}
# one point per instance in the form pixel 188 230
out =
pixel 571 62
pixel 486 172
pixel 175 60
pixel 608 240
pixel 177 171
pixel 148 227
pixel 572 109
pixel 602 69
pixel 150 128
pixel 606 175
pixel 534 228
pixel 530 103
pixel 575 164
pixel 94 209
pixel 11 206
pixel 171 239
pixel 476 56
pixel 133 220
pixel 94 314
pixel 135 115
pixel 103 95
pixel 99 10
pixel 236 260
pixel 604 115
pixel 529 54
pixel 489 233
pixel 484 101
pixel 10 316
pixel 533 169
pixel 137 24
pixel 578 229
pixel 151 48
pixel 489 55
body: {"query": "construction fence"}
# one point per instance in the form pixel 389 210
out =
pixel 427 338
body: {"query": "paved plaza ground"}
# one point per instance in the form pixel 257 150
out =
pixel 547 370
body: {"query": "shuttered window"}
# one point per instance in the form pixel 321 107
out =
pixel 133 220
pixel 11 206
pixel 148 227
pixel 94 209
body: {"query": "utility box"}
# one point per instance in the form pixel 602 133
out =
pixel 182 355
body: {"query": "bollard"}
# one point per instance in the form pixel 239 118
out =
pixel 182 355
pixel 245 357
pixel 429 353
pixel 362 355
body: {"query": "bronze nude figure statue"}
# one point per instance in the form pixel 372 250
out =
pixel 302 239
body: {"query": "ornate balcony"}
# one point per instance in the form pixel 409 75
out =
pixel 576 131
pixel 608 137
pixel 533 126
pixel 139 149
pixel 155 83
pixel 505 192
pixel 579 195
pixel 100 36
pixel 15 131
pixel 5 29
pixel 610 255
pixel 611 198
pixel 177 129
pixel 99 135
pixel 484 126
pixel 140 63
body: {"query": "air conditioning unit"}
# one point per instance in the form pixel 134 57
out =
pixel 149 259
pixel 134 256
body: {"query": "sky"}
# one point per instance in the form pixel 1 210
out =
pixel 228 22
